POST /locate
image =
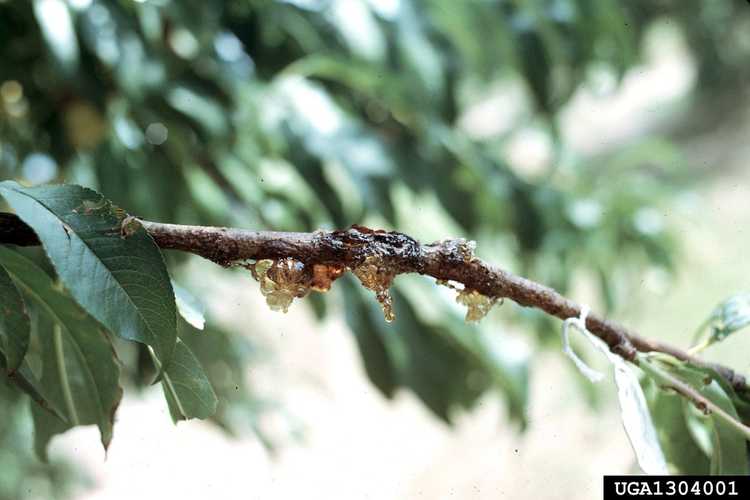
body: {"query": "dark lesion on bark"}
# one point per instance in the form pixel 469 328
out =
pixel 355 245
pixel 326 255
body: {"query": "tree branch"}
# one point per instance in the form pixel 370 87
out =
pixel 448 260
pixel 665 379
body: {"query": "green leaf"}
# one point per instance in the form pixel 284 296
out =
pixel 225 359
pixel 186 387
pixel 729 448
pixel 445 362
pixel 739 399
pixel 189 307
pixel 204 110
pixel 80 373
pixel 57 27
pixel 733 459
pixel 374 345
pixel 677 443
pixel 25 380
pixel 505 362
pixel 120 280
pixel 494 359
pixel 14 323
pixel 441 373
pixel 730 316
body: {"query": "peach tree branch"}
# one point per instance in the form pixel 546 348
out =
pixel 331 252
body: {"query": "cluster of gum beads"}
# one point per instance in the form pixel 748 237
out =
pixel 281 281
pixel 375 275
pixel 477 305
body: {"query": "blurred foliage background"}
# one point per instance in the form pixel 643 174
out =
pixel 307 114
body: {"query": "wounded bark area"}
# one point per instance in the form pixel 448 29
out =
pixel 447 260
pixel 383 254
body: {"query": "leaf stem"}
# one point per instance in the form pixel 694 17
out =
pixel 684 389
pixel 445 260
pixel 167 381
pixel 57 342
pixel 698 348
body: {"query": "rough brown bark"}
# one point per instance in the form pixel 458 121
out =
pixel 449 260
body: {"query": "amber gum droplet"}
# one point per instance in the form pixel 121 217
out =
pixel 375 275
pixel 324 275
pixel 478 305
pixel 281 281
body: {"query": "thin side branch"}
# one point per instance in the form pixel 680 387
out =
pixel 701 402
pixel 448 260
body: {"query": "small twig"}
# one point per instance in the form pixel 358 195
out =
pixel 447 260
pixel 737 381
pixel 699 348
pixel 704 404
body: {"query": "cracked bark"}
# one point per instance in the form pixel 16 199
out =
pixel 450 260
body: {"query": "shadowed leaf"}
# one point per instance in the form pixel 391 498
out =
pixel 14 323
pixel 728 449
pixel 189 307
pixel 677 443
pixel 730 316
pixel 119 280
pixel 80 374
pixel 186 387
